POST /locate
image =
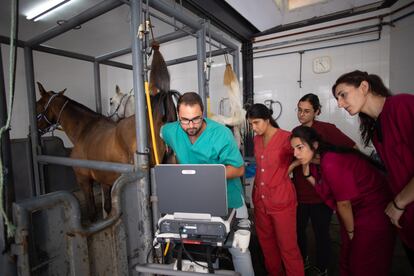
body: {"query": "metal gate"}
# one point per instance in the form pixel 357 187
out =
pixel 51 240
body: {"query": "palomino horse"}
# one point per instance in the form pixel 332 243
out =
pixel 96 137
pixel 121 105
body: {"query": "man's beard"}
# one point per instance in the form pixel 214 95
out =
pixel 193 131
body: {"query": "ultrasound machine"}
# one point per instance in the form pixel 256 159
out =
pixel 193 202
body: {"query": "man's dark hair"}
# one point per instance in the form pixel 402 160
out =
pixel 191 99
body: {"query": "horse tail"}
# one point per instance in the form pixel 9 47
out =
pixel 159 75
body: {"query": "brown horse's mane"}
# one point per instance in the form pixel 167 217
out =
pixel 84 108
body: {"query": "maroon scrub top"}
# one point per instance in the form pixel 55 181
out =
pixel 394 141
pixel 331 134
pixel 347 176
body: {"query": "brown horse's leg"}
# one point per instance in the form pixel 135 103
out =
pixel 107 196
pixel 86 185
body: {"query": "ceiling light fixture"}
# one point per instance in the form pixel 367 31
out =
pixel 295 4
pixel 44 8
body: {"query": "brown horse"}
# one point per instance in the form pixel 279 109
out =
pixel 96 137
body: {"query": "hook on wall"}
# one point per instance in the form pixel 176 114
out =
pixel 270 103
pixel 300 68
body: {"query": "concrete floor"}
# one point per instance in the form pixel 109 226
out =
pixel 400 266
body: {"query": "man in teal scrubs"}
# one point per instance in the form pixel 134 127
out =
pixel 198 140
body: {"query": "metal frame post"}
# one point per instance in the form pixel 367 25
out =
pixel 236 63
pixel 248 93
pixel 34 138
pixel 7 267
pixel 201 65
pixel 97 84
pixel 139 238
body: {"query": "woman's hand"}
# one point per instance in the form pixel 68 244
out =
pixel 394 213
pixel 396 208
pixel 292 166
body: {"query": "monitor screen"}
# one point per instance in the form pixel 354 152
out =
pixel 191 189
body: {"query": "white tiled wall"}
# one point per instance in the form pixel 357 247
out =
pixel 278 78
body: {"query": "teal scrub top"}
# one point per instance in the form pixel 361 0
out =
pixel 215 145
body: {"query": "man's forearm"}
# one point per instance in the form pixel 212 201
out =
pixel 233 172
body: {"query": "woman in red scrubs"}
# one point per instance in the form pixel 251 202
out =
pixel 350 183
pixel 274 195
pixel 387 121
pixel 310 205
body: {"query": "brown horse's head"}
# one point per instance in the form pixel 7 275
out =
pixel 49 108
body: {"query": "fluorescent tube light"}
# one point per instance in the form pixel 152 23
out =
pixel 44 8
pixel 295 4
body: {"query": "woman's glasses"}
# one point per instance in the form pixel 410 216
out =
pixel 303 111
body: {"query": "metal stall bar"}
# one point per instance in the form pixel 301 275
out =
pixel 194 57
pixel 81 18
pixel 39 187
pixel 114 54
pixel 97 86
pixel 139 238
pixel 64 53
pixel 169 62
pixel 117 64
pixel 189 20
pixel 172 24
pixel 74 55
pixel 161 39
pixel 201 66
pixel 90 164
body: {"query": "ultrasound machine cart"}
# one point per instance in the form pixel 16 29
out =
pixel 193 199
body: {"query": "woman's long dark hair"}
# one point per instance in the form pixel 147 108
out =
pixel 309 136
pixel 376 87
pixel 260 111
pixel 314 101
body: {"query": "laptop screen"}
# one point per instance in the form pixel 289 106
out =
pixel 191 189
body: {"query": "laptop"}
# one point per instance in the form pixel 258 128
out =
pixel 191 189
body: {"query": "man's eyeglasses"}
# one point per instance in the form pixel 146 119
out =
pixel 195 121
